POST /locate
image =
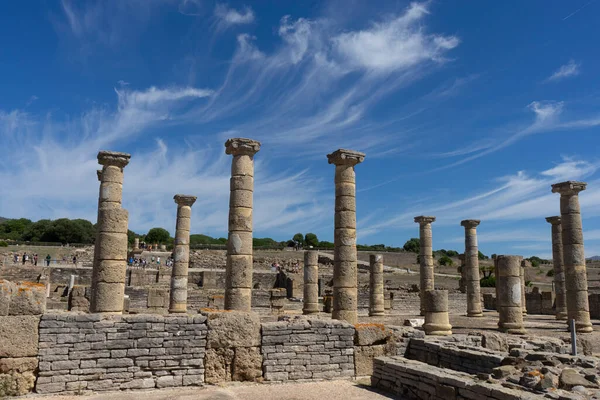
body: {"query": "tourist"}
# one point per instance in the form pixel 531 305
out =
pixel 158 260
pixel 35 259
pixel 48 258
pixel 74 259
pixel 24 258
pixel 16 258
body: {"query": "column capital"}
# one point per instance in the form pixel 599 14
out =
pixel 569 187
pixel 422 219
pixel 184 199
pixel 113 158
pixel 470 223
pixel 241 147
pixel 553 220
pixel 99 174
pixel 345 157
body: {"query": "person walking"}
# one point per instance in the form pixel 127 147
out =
pixel 35 259
pixel 48 258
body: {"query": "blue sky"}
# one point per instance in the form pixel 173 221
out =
pixel 464 110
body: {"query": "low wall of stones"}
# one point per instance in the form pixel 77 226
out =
pixel 302 349
pixel 91 352
pixel 410 379
pixel 454 355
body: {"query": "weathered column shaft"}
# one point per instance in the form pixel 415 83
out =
pixel 425 257
pixel 472 269
pixel 345 292
pixel 238 274
pixel 136 243
pixel 311 282
pixel 509 289
pixel 559 272
pixel 376 290
pixel 181 259
pixel 573 255
pixel 523 288
pixel 437 321
pixel 108 284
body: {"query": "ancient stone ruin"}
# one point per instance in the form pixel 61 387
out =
pixel 219 316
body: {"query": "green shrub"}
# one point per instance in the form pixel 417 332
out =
pixel 3 243
pixel 445 260
pixel 488 282
pixel 550 272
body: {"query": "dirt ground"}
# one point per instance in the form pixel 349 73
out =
pixel 330 390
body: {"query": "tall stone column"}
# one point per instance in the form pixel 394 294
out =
pixel 472 268
pixel 523 288
pixel 559 271
pixel 578 307
pixel 179 273
pixel 376 295
pixel 311 282
pixel 345 293
pixel 509 289
pixel 238 273
pixel 108 285
pixel 425 257
pixel 136 243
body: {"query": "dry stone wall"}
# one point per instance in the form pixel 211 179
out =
pixel 301 349
pixel 91 352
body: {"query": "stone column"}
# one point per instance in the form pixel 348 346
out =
pixel 238 273
pixel 136 243
pixel 311 282
pixel 523 288
pixel 425 257
pixel 436 313
pixel 578 307
pixel 181 254
pixel 95 259
pixel 108 285
pixel 345 293
pixel 376 295
pixel 559 272
pixel 508 301
pixel 472 268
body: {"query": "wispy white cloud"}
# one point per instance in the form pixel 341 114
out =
pixel 568 70
pixel 230 16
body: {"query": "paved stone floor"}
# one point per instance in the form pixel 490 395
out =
pixel 329 390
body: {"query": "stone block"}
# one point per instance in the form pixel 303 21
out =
pixel 6 291
pixel 363 358
pixel 370 334
pixel 232 329
pixel 217 365
pixel 19 336
pixel 29 298
pixel 247 364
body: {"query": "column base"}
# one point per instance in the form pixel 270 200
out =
pixel 562 316
pixel 308 311
pixel 177 311
pixel 513 331
pixel 345 315
pixel 438 333
pixel 475 314
pixel 376 313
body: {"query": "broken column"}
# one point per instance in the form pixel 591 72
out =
pixel 311 282
pixel 472 268
pixel 238 273
pixel 559 272
pixel 578 307
pixel 437 321
pixel 425 257
pixel 108 284
pixel 345 293
pixel 181 254
pixel 509 289
pixel 376 296
pixel 136 243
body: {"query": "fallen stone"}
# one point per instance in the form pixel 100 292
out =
pixel 414 322
pixel 504 371
pixel 493 341
pixel 569 378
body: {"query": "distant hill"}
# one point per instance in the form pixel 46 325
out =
pixel 594 258
pixel 2 219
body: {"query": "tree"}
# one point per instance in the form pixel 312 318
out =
pixel 413 245
pixel 445 260
pixel 14 228
pixel 310 239
pixel 482 256
pixel 298 238
pixel 157 235
pixel 326 245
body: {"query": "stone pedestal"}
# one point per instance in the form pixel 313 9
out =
pixel 509 300
pixel 559 272
pixel 425 257
pixel 311 282
pixel 108 277
pixel 238 277
pixel 472 268
pixel 436 313
pixel 278 299
pixel 376 292
pixel 181 252
pixel 578 307
pixel 345 293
